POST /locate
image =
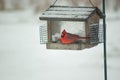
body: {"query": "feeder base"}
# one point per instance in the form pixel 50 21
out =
pixel 68 46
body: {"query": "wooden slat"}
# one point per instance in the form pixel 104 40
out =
pixel 65 13
pixel 71 6
pixel 70 9
pixel 69 17
pixel 65 16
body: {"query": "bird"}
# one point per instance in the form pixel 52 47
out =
pixel 69 38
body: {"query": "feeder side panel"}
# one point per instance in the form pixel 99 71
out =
pixel 94 19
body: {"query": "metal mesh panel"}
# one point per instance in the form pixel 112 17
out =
pixel 43 34
pixel 94 33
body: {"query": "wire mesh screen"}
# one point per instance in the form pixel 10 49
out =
pixel 94 33
pixel 43 34
pixel 100 35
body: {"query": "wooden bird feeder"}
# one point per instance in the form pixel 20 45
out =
pixel 82 21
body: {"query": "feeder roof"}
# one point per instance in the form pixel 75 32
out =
pixel 69 13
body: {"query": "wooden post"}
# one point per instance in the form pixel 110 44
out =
pixel 49 31
pixel 87 34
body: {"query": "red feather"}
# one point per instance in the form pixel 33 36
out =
pixel 68 38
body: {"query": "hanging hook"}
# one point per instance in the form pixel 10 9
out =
pixel 57 0
pixel 91 3
pixel 54 2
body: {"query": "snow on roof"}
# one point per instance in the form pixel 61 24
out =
pixel 67 13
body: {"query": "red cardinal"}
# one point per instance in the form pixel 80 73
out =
pixel 68 38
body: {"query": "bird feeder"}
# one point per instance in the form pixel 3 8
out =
pixel 82 22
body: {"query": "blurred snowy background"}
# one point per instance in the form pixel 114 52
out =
pixel 22 57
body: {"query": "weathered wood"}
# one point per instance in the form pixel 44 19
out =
pixel 87 33
pixel 68 17
pixel 49 31
pixel 69 13
pixel 63 19
pixel 70 8
pixel 68 46
pixel 66 13
pixel 64 46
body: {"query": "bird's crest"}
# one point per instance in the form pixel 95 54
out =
pixel 63 33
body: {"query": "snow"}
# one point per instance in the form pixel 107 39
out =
pixel 58 8
pixel 22 57
pixel 67 12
